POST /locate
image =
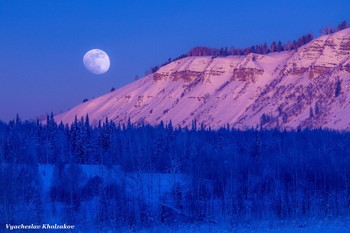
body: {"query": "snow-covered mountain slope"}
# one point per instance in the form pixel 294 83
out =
pixel 309 87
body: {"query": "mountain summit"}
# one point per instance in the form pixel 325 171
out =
pixel 307 88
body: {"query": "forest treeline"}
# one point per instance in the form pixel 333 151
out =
pixel 265 48
pixel 230 175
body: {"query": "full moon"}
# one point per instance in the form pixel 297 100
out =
pixel 96 61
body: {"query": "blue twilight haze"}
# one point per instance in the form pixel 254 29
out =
pixel 42 42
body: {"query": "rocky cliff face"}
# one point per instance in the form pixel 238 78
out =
pixel 286 90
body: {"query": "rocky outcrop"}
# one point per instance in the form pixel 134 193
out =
pixel 185 75
pixel 246 74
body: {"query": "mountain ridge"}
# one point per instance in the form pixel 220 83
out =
pixel 284 90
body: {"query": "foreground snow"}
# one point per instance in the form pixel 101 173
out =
pixel 162 184
pixel 327 226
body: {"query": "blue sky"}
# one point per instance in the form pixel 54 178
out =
pixel 42 42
